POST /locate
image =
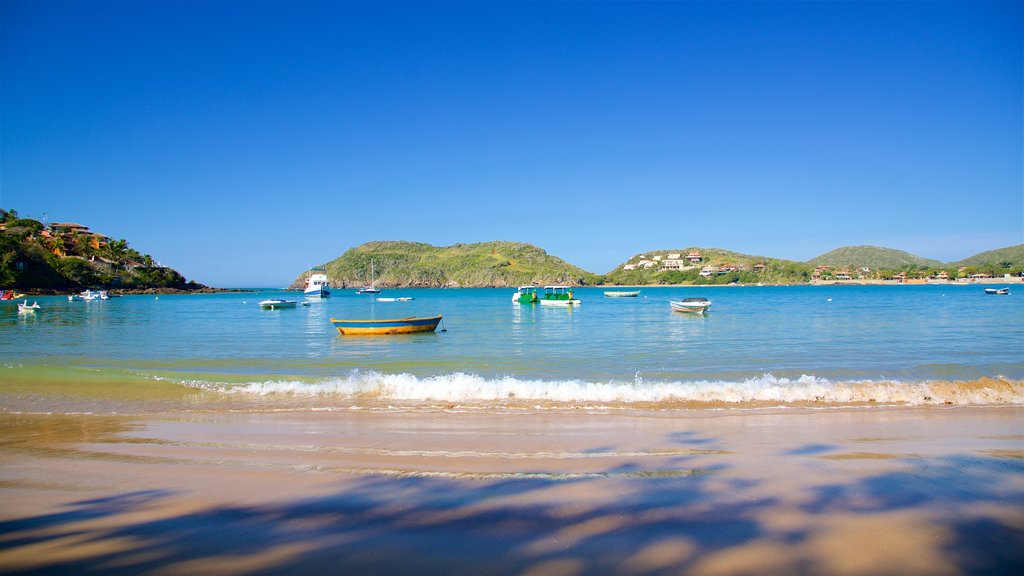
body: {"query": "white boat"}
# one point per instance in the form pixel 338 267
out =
pixel 75 298
pixel 400 299
pixel 316 284
pixel 27 308
pixel 95 295
pixel 277 303
pixel 558 296
pixel 369 289
pixel 691 305
pixel 1003 291
pixel 622 294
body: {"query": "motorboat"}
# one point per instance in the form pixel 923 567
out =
pixel 408 325
pixel 398 299
pixel 525 295
pixel 622 293
pixel 276 303
pixel 1003 291
pixel 558 296
pixel 316 284
pixel 691 305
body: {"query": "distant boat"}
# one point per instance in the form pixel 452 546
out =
pixel 75 298
pixel 10 295
pixel 525 295
pixel 691 305
pixel 95 295
pixel 622 294
pixel 400 299
pixel 277 303
pixel 407 325
pixel 558 296
pixel 1004 291
pixel 371 289
pixel 27 308
pixel 316 284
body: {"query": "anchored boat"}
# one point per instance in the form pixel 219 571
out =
pixel 1003 291
pixel 622 293
pixel 316 284
pixel 691 305
pixel 276 304
pixel 525 295
pixel 408 325
pixel 558 296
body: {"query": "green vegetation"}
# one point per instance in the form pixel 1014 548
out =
pixel 484 264
pixel 872 257
pixel 1002 258
pixel 35 258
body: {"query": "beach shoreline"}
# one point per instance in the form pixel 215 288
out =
pixel 869 490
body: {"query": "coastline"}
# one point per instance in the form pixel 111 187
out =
pixel 923 490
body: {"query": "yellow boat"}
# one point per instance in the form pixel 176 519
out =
pixel 407 325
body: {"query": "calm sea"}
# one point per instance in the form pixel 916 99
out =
pixel 757 345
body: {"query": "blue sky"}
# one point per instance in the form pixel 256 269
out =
pixel 241 142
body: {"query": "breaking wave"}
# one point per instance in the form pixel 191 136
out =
pixel 470 389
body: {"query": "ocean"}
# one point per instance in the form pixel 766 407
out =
pixel 817 346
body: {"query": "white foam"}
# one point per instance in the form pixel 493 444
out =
pixel 470 388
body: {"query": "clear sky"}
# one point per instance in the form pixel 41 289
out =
pixel 241 142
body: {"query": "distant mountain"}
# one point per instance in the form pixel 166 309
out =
pixel 1014 255
pixel 874 257
pixel 408 264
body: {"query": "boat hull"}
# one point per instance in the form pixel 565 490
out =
pixel 317 293
pixel 409 325
pixel 622 294
pixel 277 304
pixel 563 303
pixel 691 307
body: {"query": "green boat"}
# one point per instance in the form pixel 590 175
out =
pixel 558 296
pixel 525 295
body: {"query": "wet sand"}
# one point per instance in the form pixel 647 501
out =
pixel 874 490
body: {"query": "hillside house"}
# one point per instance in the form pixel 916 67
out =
pixel 708 271
pixel 673 256
pixel 672 264
pixel 694 256
pixel 727 268
pixel 629 267
pixel 759 268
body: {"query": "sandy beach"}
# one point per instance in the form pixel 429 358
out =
pixel 875 490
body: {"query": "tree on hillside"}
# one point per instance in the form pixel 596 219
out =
pixel 8 215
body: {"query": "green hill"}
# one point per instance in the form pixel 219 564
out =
pixel 722 267
pixel 1011 256
pixel 37 258
pixel 409 264
pixel 874 257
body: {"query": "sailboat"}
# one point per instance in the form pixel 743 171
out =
pixel 369 289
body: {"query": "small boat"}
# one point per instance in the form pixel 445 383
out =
pixel 407 325
pixel 316 284
pixel 1004 291
pixel 622 294
pixel 89 295
pixel 27 308
pixel 525 295
pixel 75 298
pixel 558 296
pixel 277 303
pixel 692 305
pixel 399 299
pixel 369 289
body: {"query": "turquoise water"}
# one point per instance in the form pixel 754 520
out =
pixel 755 344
